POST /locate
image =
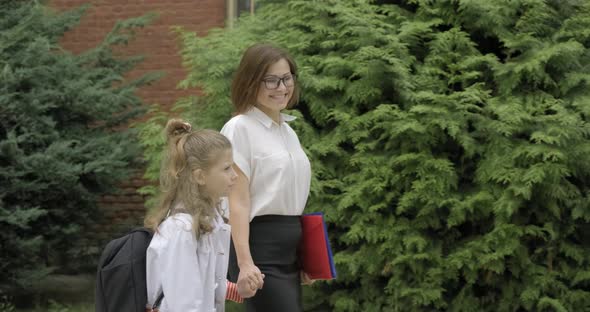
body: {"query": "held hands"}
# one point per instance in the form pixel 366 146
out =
pixel 244 289
pixel 250 280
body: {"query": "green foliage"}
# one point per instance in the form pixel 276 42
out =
pixel 152 140
pixel 5 304
pixel 449 143
pixel 54 306
pixel 58 145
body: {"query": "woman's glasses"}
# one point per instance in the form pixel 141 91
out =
pixel 273 82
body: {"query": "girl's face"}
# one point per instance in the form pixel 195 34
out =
pixel 272 98
pixel 220 177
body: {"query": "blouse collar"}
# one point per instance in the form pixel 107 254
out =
pixel 263 118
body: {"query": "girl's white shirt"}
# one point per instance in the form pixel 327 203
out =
pixel 271 157
pixel 191 272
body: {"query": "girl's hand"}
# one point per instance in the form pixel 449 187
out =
pixel 305 279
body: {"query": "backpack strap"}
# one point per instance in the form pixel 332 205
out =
pixel 156 304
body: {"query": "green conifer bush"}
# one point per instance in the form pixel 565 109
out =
pixel 449 143
pixel 60 143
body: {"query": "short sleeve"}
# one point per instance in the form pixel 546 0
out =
pixel 236 132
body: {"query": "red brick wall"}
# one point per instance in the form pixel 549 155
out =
pixel 156 41
pixel 160 47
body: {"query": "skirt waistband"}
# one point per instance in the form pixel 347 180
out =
pixel 282 219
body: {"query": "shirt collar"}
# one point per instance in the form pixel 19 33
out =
pixel 259 115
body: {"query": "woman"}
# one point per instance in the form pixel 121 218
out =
pixel 273 180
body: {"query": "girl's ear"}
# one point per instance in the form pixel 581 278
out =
pixel 199 176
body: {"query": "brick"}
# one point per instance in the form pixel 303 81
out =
pixel 108 199
pixel 137 199
pixel 129 191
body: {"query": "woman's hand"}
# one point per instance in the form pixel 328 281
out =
pixel 305 279
pixel 250 277
pixel 244 289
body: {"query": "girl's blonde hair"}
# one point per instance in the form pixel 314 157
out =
pixel 185 152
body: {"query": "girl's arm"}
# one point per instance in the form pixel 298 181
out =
pixel 239 219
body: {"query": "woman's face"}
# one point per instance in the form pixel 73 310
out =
pixel 272 98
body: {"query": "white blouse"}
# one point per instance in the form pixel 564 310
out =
pixel 192 273
pixel 271 157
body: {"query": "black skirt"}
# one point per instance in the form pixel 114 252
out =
pixel 274 242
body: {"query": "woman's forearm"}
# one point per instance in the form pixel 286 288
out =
pixel 239 218
pixel 240 223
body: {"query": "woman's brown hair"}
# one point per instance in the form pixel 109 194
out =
pixel 185 152
pixel 248 78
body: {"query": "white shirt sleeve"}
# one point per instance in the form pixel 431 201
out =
pixel 236 132
pixel 182 279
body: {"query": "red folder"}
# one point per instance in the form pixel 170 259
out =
pixel 315 252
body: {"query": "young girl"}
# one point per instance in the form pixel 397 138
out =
pixel 188 256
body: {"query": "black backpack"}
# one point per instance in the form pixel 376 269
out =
pixel 121 274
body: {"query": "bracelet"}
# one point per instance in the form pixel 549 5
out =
pixel 232 293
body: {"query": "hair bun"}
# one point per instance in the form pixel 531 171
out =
pixel 176 128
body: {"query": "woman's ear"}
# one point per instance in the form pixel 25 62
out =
pixel 199 176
